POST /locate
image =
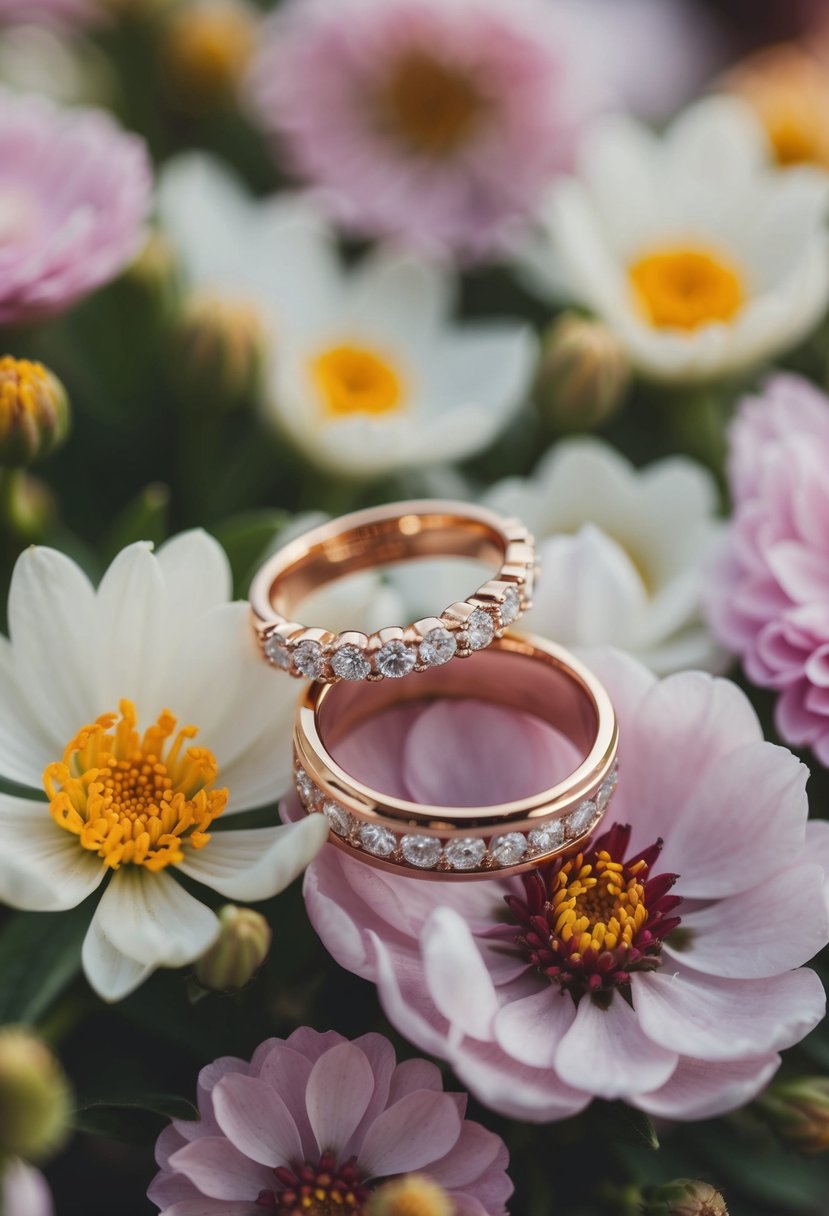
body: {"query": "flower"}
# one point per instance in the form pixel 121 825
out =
pixel 34 411
pixel 64 14
pixel 237 954
pixel 768 589
pixel 798 1111
pixel 34 1096
pixel 206 48
pixel 314 1123
pixel 24 1189
pixel 788 89
pixel 75 193
pixel 583 374
pixel 657 966
pixel 703 256
pixel 437 123
pixel 368 376
pixel 132 798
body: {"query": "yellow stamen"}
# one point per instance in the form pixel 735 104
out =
pixel 684 288
pixel 355 380
pixel 431 105
pixel 597 905
pixel 124 800
pixel 411 1195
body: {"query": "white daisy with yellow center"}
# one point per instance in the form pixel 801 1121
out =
pixel 368 373
pixel 143 712
pixel 703 254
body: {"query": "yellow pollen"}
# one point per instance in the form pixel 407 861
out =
pixel 355 380
pixel 431 105
pixel 684 288
pixel 129 802
pixel 597 905
pixel 411 1195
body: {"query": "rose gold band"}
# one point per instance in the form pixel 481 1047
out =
pixel 399 532
pixel 464 842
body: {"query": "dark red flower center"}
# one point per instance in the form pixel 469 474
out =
pixel 322 1189
pixel 589 921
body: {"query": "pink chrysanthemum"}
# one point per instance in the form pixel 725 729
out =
pixel 768 594
pixel 74 194
pixel 657 966
pixel 314 1124
pixel 439 123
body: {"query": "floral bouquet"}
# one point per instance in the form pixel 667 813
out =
pixel 522 907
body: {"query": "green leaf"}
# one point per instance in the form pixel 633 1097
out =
pixel 245 539
pixel 621 1124
pixel 136 1118
pixel 40 953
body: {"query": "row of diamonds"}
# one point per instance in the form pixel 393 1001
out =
pixel 347 660
pixel 466 854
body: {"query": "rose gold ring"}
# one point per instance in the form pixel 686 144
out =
pixel 380 536
pixel 523 673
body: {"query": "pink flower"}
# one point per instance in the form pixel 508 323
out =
pixel 24 1191
pixel 660 967
pixel 440 123
pixel 65 14
pixel 768 595
pixel 317 1108
pixel 74 194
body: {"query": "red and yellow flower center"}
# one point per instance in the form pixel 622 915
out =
pixel 686 288
pixel 355 380
pixel 324 1188
pixel 429 104
pixel 589 921
pixel 132 799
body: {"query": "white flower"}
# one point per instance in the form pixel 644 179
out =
pixel 368 374
pixel 24 1191
pixel 703 255
pixel 159 643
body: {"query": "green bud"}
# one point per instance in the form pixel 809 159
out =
pixel 798 1111
pixel 685 1197
pixel 34 1096
pixel 241 948
pixel 583 374
pixel 34 412
pixel 219 353
pixel 411 1195
pixel 28 505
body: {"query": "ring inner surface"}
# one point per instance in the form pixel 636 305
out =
pixel 384 543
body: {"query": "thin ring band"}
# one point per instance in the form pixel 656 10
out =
pixel 381 536
pixel 464 842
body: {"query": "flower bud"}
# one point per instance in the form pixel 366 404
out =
pixel 798 1110
pixel 219 353
pixel 30 507
pixel 411 1195
pixel 237 954
pixel 152 276
pixel 206 49
pixel 685 1197
pixel 583 374
pixel 34 1096
pixel 34 412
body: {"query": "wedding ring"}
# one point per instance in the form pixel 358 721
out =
pixel 399 532
pixel 522 673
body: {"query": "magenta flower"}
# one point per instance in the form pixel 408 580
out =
pixel 437 123
pixel 768 594
pixel 318 1111
pixel 75 191
pixel 658 966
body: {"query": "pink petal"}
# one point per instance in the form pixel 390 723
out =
pixel 409 1135
pixel 536 1095
pixel 475 1150
pixel 220 1171
pixel 698 1091
pixel 169 1142
pixel 286 1072
pixel 411 1075
pixel 212 1207
pixel 336 920
pixel 456 975
pixel 606 1053
pixel 256 1120
pixel 373 751
pixel 802 574
pixel 314 1043
pixel 716 1019
pixel 381 1056
pixel 424 1028
pixel 531 1028
pixel 339 1091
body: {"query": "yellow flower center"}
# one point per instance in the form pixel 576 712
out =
pixel 207 48
pixel 788 88
pixel 128 801
pixel 684 288
pixel 411 1195
pixel 355 380
pixel 596 905
pixel 432 106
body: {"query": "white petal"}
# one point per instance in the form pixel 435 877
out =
pixel 129 623
pixel 43 868
pixel 196 573
pixel 257 863
pixel 606 1053
pixel 112 974
pixel 25 747
pixel 153 920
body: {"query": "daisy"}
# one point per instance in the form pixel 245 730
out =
pixel 145 711
pixel 703 255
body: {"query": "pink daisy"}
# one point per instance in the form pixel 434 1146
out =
pixel 768 594
pixel 440 123
pixel 658 966
pixel 75 191
pixel 318 1115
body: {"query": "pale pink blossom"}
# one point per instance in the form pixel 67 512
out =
pixel 320 1108
pixel 75 191
pixel 63 14
pixel 24 1191
pixel 688 1021
pixel 768 593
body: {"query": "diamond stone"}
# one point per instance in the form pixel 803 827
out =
pixel 278 651
pixel 395 659
pixel 581 818
pixel 510 606
pixel 421 851
pixel 549 836
pixel 480 629
pixel 338 817
pixel 377 840
pixel 309 659
pixel 508 850
pixel 606 790
pixel 438 647
pixel 466 853
pixel 305 786
pixel 350 663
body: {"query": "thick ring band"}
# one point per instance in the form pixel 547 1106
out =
pixel 464 842
pixel 382 536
